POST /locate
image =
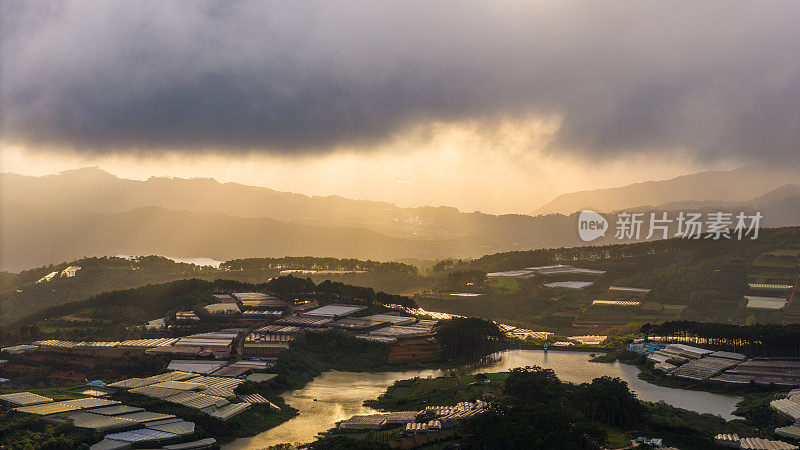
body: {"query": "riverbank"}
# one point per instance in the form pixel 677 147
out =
pixel 334 396
pixel 678 426
pixel 653 376
pixel 619 352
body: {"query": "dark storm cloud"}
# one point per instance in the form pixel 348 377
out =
pixel 717 77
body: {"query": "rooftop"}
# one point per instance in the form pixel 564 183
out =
pixel 364 421
pixel 223 308
pixel 335 310
pixel 194 366
pixel 773 303
pixel 65 406
pixel 25 398
pixel 99 422
pixel 252 296
pixel 141 436
pixel 569 284
pixel 616 303
pixel 305 320
pixel 401 331
pixel 629 289
pixel 277 329
pixel 353 323
pixel 224 298
pixel 385 339
pixel 394 320
pixel 115 410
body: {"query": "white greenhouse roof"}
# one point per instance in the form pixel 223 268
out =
pixel 765 302
pixel 335 310
pixel 25 398
pixel 569 284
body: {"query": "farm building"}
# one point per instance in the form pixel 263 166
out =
pixel 779 287
pixel 45 409
pixel 772 303
pixel 394 320
pixel 401 332
pixel 763 371
pixel 218 343
pixel 569 284
pixel 277 329
pixel 335 311
pixel 558 269
pixel 704 368
pixel 171 350
pixel 186 315
pixel 18 349
pixel 260 314
pixel 193 366
pixel 305 320
pixel 224 298
pixel 364 422
pixel 510 273
pixel 359 324
pixel 630 290
pixel 222 308
pixel 259 300
pixel 24 399
pixel 206 393
pixel 250 296
pixel 616 303
pixel 255 349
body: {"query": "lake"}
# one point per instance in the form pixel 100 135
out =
pixel 340 395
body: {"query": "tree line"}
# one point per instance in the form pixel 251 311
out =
pixel 753 340
pixel 468 338
pixel 317 263
pixel 768 237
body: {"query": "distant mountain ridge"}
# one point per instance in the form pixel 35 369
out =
pixel 89 212
pixel 736 185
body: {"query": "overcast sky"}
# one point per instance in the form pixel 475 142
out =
pixel 535 87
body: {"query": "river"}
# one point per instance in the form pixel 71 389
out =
pixel 340 395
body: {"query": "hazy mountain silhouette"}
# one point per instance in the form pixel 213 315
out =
pixel 89 212
pixel 729 186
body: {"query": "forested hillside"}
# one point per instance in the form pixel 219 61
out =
pixel 21 294
pixel 120 314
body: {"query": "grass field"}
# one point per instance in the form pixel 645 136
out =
pixel 504 284
pixel 616 438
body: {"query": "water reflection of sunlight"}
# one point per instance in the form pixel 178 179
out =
pixel 341 395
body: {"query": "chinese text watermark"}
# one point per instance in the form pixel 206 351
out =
pixel 662 225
